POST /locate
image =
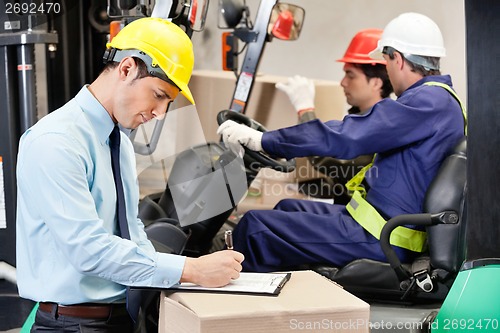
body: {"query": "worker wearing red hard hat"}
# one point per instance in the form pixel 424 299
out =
pixel 365 82
pixel 411 136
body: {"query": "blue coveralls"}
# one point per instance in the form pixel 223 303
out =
pixel 411 136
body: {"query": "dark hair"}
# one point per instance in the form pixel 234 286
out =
pixel 377 71
pixel 413 66
pixel 421 69
pixel 142 72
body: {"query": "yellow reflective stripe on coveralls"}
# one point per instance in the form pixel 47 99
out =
pixel 454 94
pixel 370 219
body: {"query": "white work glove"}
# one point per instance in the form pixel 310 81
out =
pixel 234 133
pixel 300 91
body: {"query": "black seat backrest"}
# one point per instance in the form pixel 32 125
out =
pixel 448 191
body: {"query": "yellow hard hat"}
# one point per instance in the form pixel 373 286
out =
pixel 165 43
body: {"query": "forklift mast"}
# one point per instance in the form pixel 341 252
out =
pixel 257 41
pixel 273 19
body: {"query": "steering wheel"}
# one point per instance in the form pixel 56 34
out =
pixel 254 159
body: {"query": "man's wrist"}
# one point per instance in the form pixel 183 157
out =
pixel 302 111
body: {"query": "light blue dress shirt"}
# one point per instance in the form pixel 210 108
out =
pixel 67 251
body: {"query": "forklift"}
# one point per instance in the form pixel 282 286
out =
pixel 403 297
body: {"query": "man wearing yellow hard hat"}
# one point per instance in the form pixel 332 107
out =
pixel 79 241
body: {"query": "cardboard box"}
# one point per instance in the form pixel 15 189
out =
pixel 268 188
pixel 308 302
pixel 213 92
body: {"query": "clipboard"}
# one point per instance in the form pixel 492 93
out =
pixel 262 284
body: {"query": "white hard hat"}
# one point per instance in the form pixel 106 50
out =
pixel 411 34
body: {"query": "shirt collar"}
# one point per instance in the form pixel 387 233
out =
pixel 96 113
pixel 438 78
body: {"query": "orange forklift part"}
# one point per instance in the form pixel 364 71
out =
pixel 229 51
pixel 114 28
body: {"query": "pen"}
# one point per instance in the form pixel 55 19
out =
pixel 228 236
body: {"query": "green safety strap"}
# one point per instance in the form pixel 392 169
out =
pixel 370 219
pixel 354 184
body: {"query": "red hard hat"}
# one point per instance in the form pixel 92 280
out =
pixel 361 45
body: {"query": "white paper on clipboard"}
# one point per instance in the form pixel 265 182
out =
pixel 248 283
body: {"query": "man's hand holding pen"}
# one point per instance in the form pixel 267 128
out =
pixel 216 269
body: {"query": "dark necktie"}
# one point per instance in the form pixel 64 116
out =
pixel 133 296
pixel 121 211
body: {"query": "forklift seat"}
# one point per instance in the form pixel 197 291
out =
pixel 429 277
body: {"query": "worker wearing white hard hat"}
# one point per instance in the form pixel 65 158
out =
pixel 412 33
pixel 417 39
pixel 411 136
